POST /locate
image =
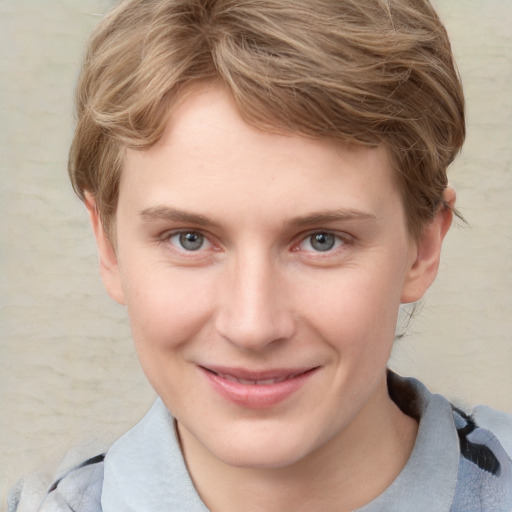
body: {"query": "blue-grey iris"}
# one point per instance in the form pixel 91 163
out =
pixel 322 241
pixel 191 241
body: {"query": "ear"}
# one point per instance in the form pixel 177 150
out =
pixel 109 267
pixel 425 264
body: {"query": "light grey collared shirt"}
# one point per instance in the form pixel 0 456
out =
pixel 455 466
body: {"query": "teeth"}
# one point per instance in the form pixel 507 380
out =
pixel 262 382
pixel 267 382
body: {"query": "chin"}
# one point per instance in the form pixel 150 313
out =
pixel 266 452
pixel 265 459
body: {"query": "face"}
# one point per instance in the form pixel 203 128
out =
pixel 262 275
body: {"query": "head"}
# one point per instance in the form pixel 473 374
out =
pixel 371 72
pixel 267 183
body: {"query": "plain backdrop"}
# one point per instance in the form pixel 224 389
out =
pixel 69 379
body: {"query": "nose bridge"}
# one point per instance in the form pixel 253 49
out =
pixel 255 310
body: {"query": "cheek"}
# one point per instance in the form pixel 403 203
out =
pixel 167 314
pixel 356 311
pixel 166 308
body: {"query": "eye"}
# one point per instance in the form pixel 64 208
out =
pixel 189 241
pixel 321 241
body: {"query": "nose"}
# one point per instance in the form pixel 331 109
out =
pixel 255 311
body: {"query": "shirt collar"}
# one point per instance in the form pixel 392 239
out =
pixel 145 470
pixel 429 479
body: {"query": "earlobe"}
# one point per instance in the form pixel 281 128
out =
pixel 423 269
pixel 109 267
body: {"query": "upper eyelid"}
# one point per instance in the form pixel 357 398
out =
pixel 168 233
pixel 342 235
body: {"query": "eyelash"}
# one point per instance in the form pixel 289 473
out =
pixel 339 243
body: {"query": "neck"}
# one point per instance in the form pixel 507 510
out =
pixel 347 472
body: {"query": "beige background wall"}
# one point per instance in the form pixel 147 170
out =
pixel 68 374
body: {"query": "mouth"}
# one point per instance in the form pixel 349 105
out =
pixel 254 379
pixel 257 389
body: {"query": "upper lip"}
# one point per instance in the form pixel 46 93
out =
pixel 245 374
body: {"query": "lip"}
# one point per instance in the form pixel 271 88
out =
pixel 256 389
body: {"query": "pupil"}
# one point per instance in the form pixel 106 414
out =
pixel 191 241
pixel 322 241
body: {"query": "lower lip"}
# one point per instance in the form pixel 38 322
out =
pixel 256 396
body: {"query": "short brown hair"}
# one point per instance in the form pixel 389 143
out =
pixel 365 71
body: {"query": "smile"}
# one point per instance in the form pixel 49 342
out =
pixel 257 382
pixel 257 390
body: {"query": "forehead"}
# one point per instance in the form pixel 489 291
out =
pixel 210 159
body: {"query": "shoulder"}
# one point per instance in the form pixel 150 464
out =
pixel 79 490
pixel 499 423
pixel 464 457
pixel 484 480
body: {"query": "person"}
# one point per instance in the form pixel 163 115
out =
pixel 267 185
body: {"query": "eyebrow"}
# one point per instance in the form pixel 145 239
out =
pixel 174 215
pixel 331 216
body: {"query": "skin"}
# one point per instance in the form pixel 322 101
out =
pixel 260 293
